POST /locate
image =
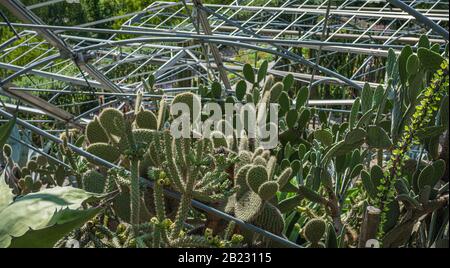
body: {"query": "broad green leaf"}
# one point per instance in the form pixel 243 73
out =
pixel 429 60
pixel 291 118
pixel 331 239
pixel 424 42
pixel 289 204
pixel 368 184
pixel 428 132
pixel 355 136
pixel 378 96
pixel 412 64
pixel 36 211
pixel 391 63
pixel 61 224
pixel 444 112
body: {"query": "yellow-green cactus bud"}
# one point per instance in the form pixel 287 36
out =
pixel 95 132
pixel 167 223
pixel 208 232
pixel 237 238
pixel 146 119
pixel 162 175
pixel 154 221
pixel 104 151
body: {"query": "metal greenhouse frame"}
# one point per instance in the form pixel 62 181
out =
pixel 185 43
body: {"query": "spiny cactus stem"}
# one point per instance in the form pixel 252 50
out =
pixel 159 202
pixel 156 237
pixel 135 192
pixel 185 203
pixel 182 214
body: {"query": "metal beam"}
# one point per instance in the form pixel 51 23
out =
pixel 21 11
pixel 203 21
pixel 421 18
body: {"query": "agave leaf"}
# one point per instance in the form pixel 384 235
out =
pixel 37 211
pixel 6 195
pixel 5 131
pixel 62 223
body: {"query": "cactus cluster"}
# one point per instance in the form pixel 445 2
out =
pixel 330 182
pixel 39 172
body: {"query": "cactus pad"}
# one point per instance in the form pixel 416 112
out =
pixel 146 119
pixel 104 151
pixel 112 121
pixel 314 230
pixel 95 132
pixel 93 182
pixel 268 190
pixel 256 176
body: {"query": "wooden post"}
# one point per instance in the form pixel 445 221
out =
pixel 369 225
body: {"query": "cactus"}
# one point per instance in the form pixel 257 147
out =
pixel 94 182
pixel 95 132
pixel 314 231
pixel 192 101
pixel 146 119
pixel 112 120
pixel 105 151
pixel 257 187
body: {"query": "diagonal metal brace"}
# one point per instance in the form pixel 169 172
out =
pixel 203 20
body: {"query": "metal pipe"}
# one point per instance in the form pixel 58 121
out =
pixel 421 18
